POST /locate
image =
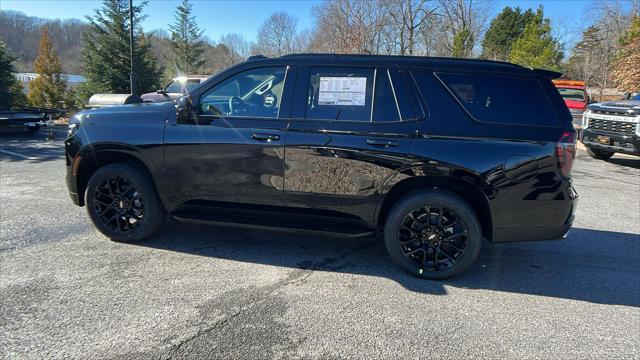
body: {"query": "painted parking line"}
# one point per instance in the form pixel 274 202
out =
pixel 18 155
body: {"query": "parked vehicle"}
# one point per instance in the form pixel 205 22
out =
pixel 576 97
pixel 176 88
pixel 612 127
pixel 434 153
pixel 33 118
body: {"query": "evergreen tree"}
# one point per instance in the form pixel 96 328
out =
pixel 626 67
pixel 10 89
pixel 186 41
pixel 48 89
pixel 537 48
pixel 106 59
pixel 503 31
pixel 462 44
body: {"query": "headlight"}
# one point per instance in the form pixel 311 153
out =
pixel 585 119
pixel 576 111
pixel 74 123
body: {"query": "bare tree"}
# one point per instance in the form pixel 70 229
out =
pixel 237 49
pixel 276 36
pixel 348 26
pixel 302 41
pixel 611 21
pixel 404 20
pixel 457 17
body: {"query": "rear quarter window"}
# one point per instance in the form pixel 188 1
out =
pixel 501 99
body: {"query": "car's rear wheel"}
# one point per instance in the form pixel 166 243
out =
pixel 33 129
pixel 123 203
pixel 600 154
pixel 433 234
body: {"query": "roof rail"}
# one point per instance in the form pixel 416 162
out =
pixel 255 57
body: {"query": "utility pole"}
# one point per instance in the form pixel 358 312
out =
pixel 132 75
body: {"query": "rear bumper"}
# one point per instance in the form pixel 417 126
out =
pixel 529 220
pixel 625 144
pixel 529 234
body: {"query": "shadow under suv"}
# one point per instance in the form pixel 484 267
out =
pixel 434 153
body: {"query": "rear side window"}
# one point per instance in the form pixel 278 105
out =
pixel 385 106
pixel 340 94
pixel 501 99
pixel 352 94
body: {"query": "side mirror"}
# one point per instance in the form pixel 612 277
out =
pixel 183 109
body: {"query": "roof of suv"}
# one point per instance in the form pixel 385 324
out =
pixel 439 62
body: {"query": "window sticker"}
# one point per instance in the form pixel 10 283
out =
pixel 350 91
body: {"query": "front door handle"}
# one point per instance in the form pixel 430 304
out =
pixel 265 137
pixel 382 142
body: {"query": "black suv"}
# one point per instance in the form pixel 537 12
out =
pixel 434 153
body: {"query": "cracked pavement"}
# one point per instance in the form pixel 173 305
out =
pixel 197 292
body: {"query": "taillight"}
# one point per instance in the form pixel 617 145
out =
pixel 566 152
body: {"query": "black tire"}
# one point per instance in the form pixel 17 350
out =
pixel 600 154
pixel 138 211
pixel 454 212
pixel 33 129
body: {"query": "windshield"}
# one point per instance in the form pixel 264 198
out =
pixel 572 94
pixel 637 97
pixel 178 86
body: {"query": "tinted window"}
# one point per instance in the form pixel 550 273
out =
pixel 385 107
pixel 500 99
pixel 340 94
pixel 251 93
pixel 637 97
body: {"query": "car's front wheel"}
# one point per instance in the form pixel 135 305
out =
pixel 600 154
pixel 433 234
pixel 123 203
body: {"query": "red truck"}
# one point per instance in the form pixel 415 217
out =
pixel 576 97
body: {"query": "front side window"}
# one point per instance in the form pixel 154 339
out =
pixel 340 94
pixel 251 93
pixel 502 99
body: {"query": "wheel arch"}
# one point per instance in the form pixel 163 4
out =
pixel 94 159
pixel 468 192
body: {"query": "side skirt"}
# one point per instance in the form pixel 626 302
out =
pixel 272 220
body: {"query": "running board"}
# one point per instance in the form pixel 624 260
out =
pixel 262 220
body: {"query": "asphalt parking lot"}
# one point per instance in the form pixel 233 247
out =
pixel 202 292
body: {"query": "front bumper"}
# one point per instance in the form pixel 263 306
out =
pixel 625 144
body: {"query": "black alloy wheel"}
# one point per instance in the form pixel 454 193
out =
pixel 433 238
pixel 118 204
pixel 433 233
pixel 123 203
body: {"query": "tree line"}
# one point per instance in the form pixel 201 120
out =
pixel 605 55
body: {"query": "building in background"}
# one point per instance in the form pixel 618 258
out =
pixel 26 78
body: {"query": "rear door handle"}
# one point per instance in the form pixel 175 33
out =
pixel 265 137
pixel 382 142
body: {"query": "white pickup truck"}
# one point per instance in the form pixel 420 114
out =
pixel 612 127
